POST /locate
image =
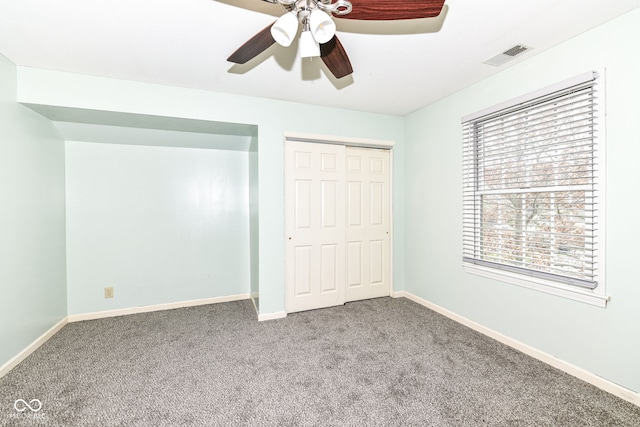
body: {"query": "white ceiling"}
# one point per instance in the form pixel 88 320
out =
pixel 398 66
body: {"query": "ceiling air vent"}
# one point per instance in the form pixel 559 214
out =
pixel 507 55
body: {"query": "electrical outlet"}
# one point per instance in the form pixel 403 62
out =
pixel 108 292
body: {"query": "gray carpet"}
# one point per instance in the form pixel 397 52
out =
pixel 383 362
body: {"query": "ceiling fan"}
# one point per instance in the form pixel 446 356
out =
pixel 318 29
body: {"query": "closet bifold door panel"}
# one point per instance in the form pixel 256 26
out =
pixel 337 223
pixel 315 225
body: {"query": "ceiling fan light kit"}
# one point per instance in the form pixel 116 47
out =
pixel 285 29
pixel 322 26
pixel 308 46
pixel 315 23
pixel 318 28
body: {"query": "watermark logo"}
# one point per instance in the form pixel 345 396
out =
pixel 21 405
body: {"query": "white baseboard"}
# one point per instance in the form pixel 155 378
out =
pixel 156 307
pixel 11 363
pixel 567 367
pixel 272 316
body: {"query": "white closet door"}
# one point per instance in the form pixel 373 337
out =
pixel 315 225
pixel 368 224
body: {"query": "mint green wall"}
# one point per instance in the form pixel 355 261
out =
pixel 273 118
pixel 32 242
pixel 603 341
pixel 158 224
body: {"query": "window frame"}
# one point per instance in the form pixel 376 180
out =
pixel 597 296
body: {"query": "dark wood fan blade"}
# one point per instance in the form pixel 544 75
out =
pixel 335 58
pixel 388 10
pixel 253 47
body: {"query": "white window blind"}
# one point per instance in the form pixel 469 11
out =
pixel 530 178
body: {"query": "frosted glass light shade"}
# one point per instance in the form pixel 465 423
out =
pixel 321 26
pixel 308 46
pixel 284 30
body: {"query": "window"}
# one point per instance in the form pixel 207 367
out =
pixel 532 191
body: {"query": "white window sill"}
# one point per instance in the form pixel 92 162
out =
pixel 583 295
